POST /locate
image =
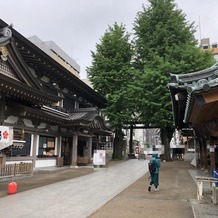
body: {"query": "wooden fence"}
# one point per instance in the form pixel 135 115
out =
pixel 11 170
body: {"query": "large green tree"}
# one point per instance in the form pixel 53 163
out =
pixel 109 73
pixel 164 44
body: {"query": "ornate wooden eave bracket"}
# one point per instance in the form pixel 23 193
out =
pixel 5 35
pixel 4 53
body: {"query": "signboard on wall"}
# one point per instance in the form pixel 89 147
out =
pixel 99 157
pixel 6 136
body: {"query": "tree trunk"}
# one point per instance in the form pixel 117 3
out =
pixel 166 136
pixel 118 144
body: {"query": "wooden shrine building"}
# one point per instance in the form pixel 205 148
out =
pixel 195 107
pixel 53 113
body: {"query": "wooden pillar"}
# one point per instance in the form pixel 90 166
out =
pixel 212 156
pixel 74 150
pixel 130 140
pixel 2 110
pixel 34 147
pixel 186 146
pixel 2 158
pixel 89 148
pixel 201 155
pixel 205 155
pixel 58 146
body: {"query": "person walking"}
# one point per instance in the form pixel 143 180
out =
pixel 154 173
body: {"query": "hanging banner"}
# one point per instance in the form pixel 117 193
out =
pixel 6 136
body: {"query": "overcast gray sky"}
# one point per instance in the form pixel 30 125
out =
pixel 77 25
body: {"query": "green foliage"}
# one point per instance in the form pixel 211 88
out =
pixel 110 61
pixel 111 71
pixel 134 77
pixel 147 145
pixel 164 44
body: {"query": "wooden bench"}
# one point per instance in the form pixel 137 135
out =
pixel 82 160
pixel 212 181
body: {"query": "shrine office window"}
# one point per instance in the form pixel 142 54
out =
pixel 23 149
pixel 46 146
pixel 68 103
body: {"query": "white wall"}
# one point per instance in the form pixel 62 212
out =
pixel 45 163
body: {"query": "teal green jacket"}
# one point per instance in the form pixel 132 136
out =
pixel 157 164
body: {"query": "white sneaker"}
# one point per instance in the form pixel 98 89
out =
pixel 157 189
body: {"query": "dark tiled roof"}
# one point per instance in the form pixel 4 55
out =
pixel 84 114
pixel 186 88
pixel 86 117
pixel 36 57
pixel 194 81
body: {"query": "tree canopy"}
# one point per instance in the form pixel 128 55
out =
pixel 164 44
pixel 110 73
pixel 133 76
pixel 165 37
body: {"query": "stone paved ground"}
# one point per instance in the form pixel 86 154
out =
pixel 172 201
pixel 43 178
pixel 177 187
pixel 47 176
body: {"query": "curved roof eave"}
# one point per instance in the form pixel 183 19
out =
pixel 194 76
pixel 82 88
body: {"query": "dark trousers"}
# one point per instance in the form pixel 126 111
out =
pixel 154 179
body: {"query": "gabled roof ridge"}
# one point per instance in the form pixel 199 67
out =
pixel 14 58
pixel 79 110
pixel 81 87
pixel 193 76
